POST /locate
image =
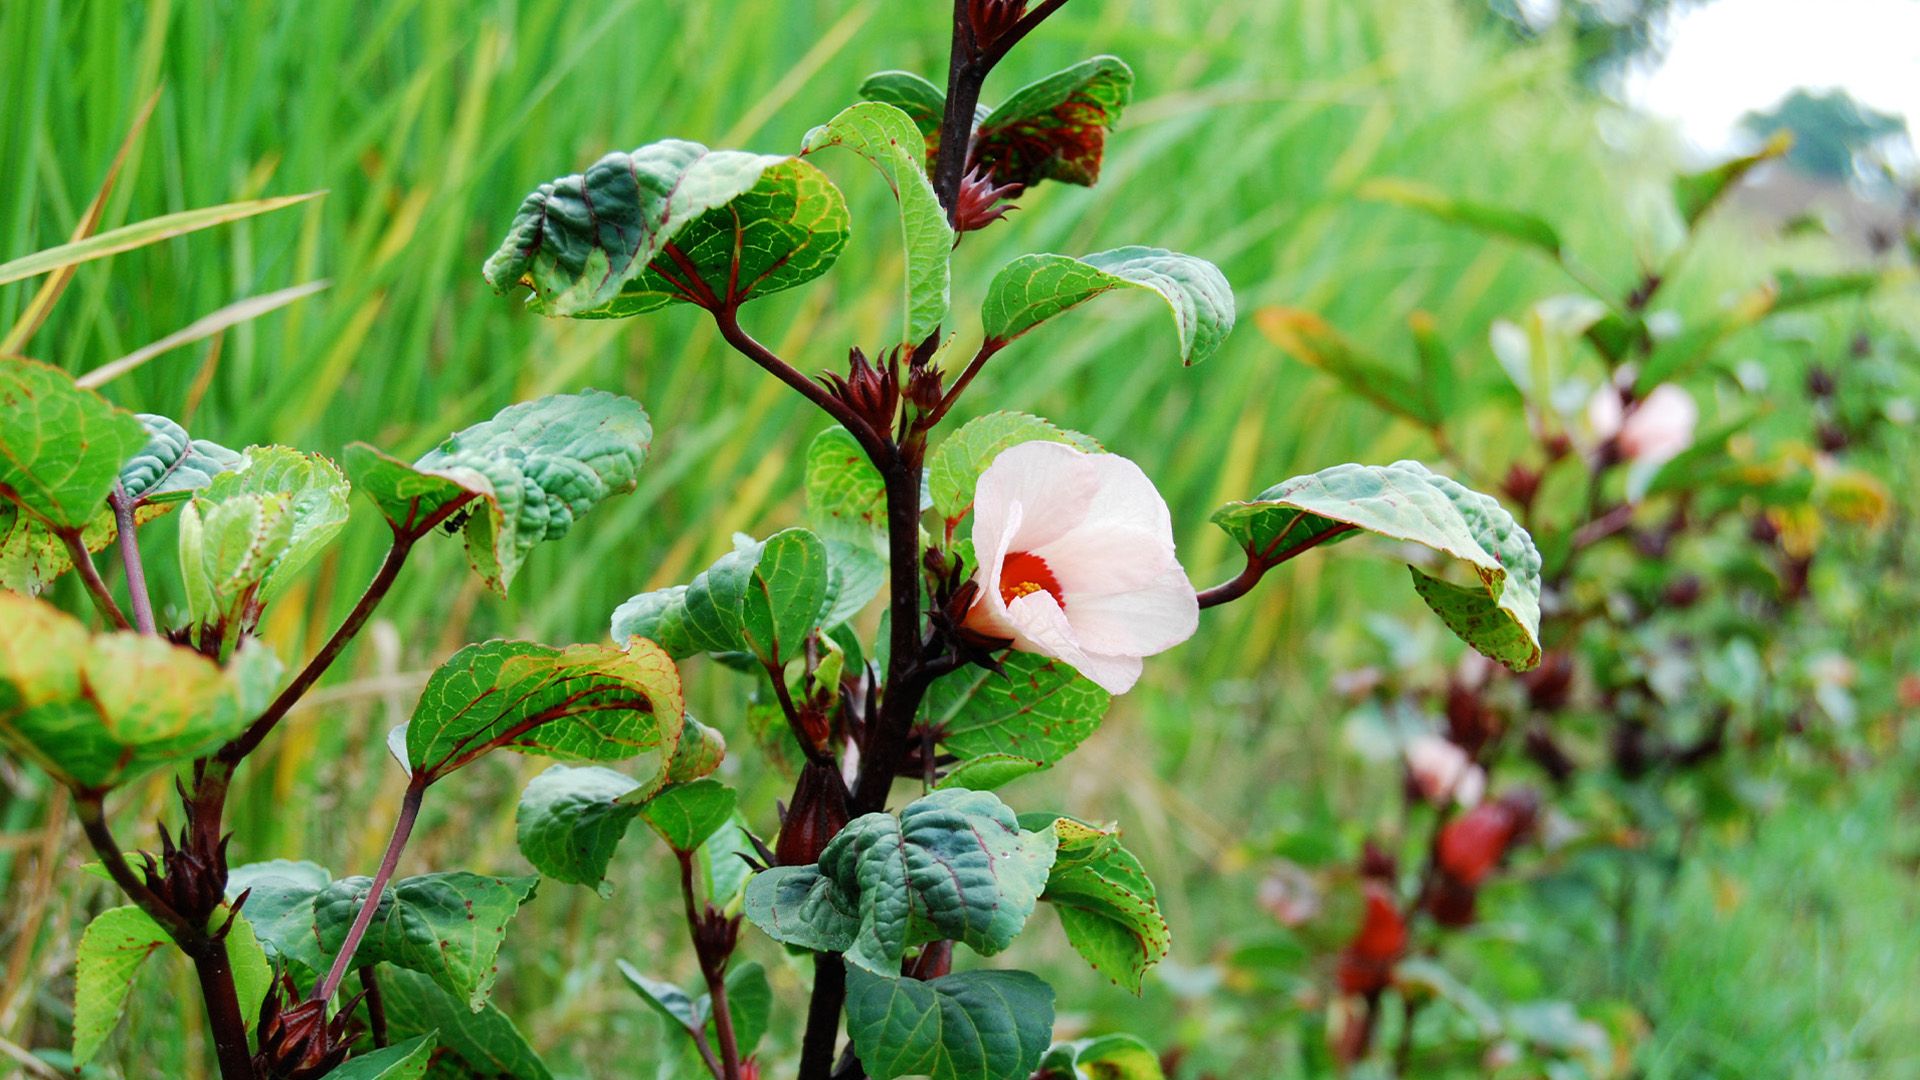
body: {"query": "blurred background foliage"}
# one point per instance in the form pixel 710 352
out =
pixel 1781 946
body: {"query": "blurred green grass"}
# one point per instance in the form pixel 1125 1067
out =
pixel 426 121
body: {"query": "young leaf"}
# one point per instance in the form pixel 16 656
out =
pixel 533 470
pixel 1033 709
pixel 447 926
pixel 280 895
pixel 173 465
pixel 227 548
pixel 1109 1057
pixel 672 221
pixel 954 468
pixel 61 447
pixel 1314 343
pixel 112 949
pixel 846 498
pixel 924 103
pixel 1056 128
pixel 401 1061
pixel 98 710
pixel 1487 220
pixel 762 597
pixel 659 616
pixel 888 139
pixel 954 864
pixel 1694 194
pixel 580 703
pixel 484 1042
pixel 1034 288
pixel 570 821
pixel 685 815
pixel 973 1025
pixel 1107 904
pixel 315 492
pixel 989 772
pixel 749 998
pixel 1500 615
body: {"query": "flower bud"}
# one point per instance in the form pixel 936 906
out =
pixel 818 813
pixel 1366 965
pixel 297 1041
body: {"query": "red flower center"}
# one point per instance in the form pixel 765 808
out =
pixel 1023 574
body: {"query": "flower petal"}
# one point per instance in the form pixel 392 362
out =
pixel 1044 629
pixel 1051 483
pixel 1139 622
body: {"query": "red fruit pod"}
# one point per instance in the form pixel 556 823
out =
pixel 819 812
pixel 1366 965
pixel 1472 844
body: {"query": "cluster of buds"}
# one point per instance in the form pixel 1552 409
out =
pixel 191 875
pixel 1471 847
pixel 875 391
pixel 982 200
pixel 296 1039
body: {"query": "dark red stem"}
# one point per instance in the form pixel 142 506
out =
pixel 90 576
pixel 402 829
pixel 713 968
pixel 1259 562
pixel 129 540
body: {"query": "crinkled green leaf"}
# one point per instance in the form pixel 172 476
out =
pixel 953 864
pixel 579 703
pixel 97 710
pixel 173 465
pixel 448 926
pixel 485 1043
pixel 1107 904
pixel 570 821
pixel 973 1025
pixel 685 815
pixel 763 597
pixel 61 447
pixel 698 753
pixel 887 137
pixel 227 548
pixel 1034 288
pixel 1515 225
pixel 1109 1057
pixel 112 950
pixel 402 1061
pixel 954 467
pixel 672 221
pixel 532 471
pixel 659 616
pixel 1056 128
pixel 280 895
pixel 1499 615
pixel 316 495
pixel 1034 708
pixel 846 497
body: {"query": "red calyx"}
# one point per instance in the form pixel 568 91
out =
pixel 1366 965
pixel 992 19
pixel 1471 847
pixel 298 1042
pixel 982 201
pixel 819 812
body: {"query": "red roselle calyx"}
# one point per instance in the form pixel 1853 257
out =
pixel 992 19
pixel 1471 847
pixel 1366 965
pixel 872 392
pixel 298 1042
pixel 819 811
pixel 191 875
pixel 981 202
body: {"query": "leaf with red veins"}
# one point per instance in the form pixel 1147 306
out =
pixel 1056 128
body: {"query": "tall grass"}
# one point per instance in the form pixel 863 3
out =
pixel 427 120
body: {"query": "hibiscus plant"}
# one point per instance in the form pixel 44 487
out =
pixel 1028 571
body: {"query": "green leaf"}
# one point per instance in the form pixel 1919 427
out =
pixel 924 103
pixel 579 703
pixel 685 815
pixel 846 498
pixel 1498 615
pixel 672 1003
pixel 1056 128
pixel 1107 904
pixel 316 495
pixel 699 752
pixel 725 873
pixel 140 234
pixel 1498 221
pixel 954 467
pixel 989 771
pixel 856 574
pixel 888 138
pixel 749 1000
pixel 1109 1057
pixel 763 597
pixel 672 221
pixel 112 949
pixel 98 710
pixel 1034 288
pixel 173 465
pixel 974 1025
pixel 227 549
pixel 447 926
pixel 954 864
pixel 570 821
pixel 61 447
pixel 533 470
pixel 401 1061
pixel 280 895
pixel 1694 194
pixel 252 972
pixel 660 617
pixel 1313 342
pixel 1036 709
pixel 485 1041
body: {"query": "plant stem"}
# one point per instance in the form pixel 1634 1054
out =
pixel 90 576
pixel 966 73
pixel 823 1016
pixel 713 968
pixel 402 828
pixel 222 999
pixel 986 352
pixel 129 540
pixel 727 318
pixel 376 1007
pixel 1259 562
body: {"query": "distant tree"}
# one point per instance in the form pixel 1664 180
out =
pixel 1834 136
pixel 1608 35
